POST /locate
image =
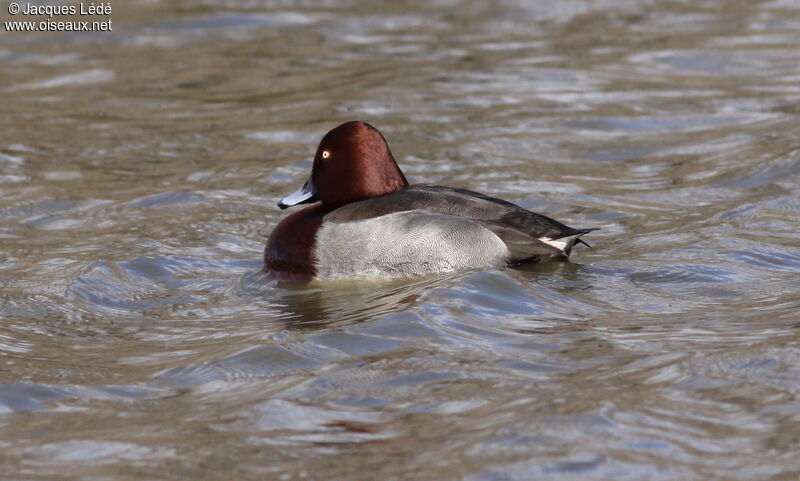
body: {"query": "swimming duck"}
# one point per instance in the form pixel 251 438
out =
pixel 367 221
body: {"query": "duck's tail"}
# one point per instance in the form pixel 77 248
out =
pixel 567 240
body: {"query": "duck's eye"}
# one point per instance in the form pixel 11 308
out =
pixel 325 154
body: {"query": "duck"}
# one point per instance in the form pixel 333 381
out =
pixel 366 221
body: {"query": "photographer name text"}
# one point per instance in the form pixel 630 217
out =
pixel 52 23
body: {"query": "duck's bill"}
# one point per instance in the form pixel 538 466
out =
pixel 305 195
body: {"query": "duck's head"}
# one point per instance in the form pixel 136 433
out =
pixel 353 162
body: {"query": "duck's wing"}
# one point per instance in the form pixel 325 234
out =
pixel 527 235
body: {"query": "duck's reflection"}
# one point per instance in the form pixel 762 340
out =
pixel 326 303
pixel 316 304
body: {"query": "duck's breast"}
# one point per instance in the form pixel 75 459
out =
pixel 404 244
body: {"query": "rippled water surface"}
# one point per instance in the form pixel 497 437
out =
pixel 139 175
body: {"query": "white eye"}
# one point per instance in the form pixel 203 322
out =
pixel 325 154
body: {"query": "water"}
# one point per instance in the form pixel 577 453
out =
pixel 139 175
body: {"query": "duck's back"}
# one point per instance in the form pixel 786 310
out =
pixel 427 229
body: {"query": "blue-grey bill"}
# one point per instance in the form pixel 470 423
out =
pixel 304 195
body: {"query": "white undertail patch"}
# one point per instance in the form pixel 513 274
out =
pixel 561 244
